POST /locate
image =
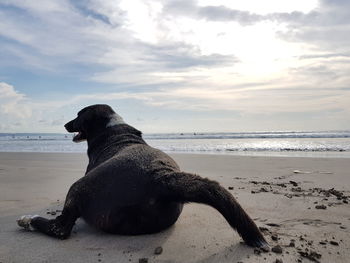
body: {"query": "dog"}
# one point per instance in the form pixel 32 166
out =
pixel 130 188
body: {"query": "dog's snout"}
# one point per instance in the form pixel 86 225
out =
pixel 69 126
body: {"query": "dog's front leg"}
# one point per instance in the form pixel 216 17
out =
pixel 61 226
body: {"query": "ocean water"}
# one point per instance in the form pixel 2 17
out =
pixel 302 144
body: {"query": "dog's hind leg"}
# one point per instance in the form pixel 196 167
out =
pixel 61 226
pixel 186 187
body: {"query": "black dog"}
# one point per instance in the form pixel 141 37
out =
pixel 131 188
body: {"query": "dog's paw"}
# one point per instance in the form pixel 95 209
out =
pixel 24 221
pixel 261 244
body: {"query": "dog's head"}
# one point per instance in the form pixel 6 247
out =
pixel 92 120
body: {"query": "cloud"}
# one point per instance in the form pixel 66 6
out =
pixel 19 113
pixel 13 103
pixel 267 98
pixel 165 63
pixel 184 56
pixel 325 56
pixel 247 102
pixel 222 13
pixel 326 27
pixel 60 34
pixel 211 13
pixel 96 35
pixel 87 9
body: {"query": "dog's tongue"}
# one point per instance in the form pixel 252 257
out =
pixel 77 137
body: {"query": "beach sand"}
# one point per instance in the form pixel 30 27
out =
pixel 281 194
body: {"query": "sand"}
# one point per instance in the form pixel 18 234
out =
pixel 281 194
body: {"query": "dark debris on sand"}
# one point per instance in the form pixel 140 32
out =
pixel 321 207
pixel 158 250
pixel 274 237
pixel 304 248
pixel 277 249
pixel 301 246
pixel 273 224
pixel 311 255
pixel 292 189
pixel 334 243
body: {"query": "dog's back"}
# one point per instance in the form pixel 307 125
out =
pixel 125 197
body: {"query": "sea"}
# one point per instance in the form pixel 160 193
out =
pixel 288 144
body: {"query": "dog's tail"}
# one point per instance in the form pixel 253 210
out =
pixel 186 187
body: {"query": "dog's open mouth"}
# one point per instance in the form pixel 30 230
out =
pixel 79 137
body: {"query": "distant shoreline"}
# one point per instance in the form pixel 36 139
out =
pixel 232 154
pixel 233 134
pixel 286 144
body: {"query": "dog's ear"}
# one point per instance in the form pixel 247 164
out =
pixel 81 123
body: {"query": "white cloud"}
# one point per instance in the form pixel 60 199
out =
pixel 20 113
pixel 246 103
pixel 264 7
pixel 13 103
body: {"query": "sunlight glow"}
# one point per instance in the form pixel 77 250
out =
pixel 257 47
pixel 142 20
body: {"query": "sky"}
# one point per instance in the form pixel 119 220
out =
pixel 177 65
